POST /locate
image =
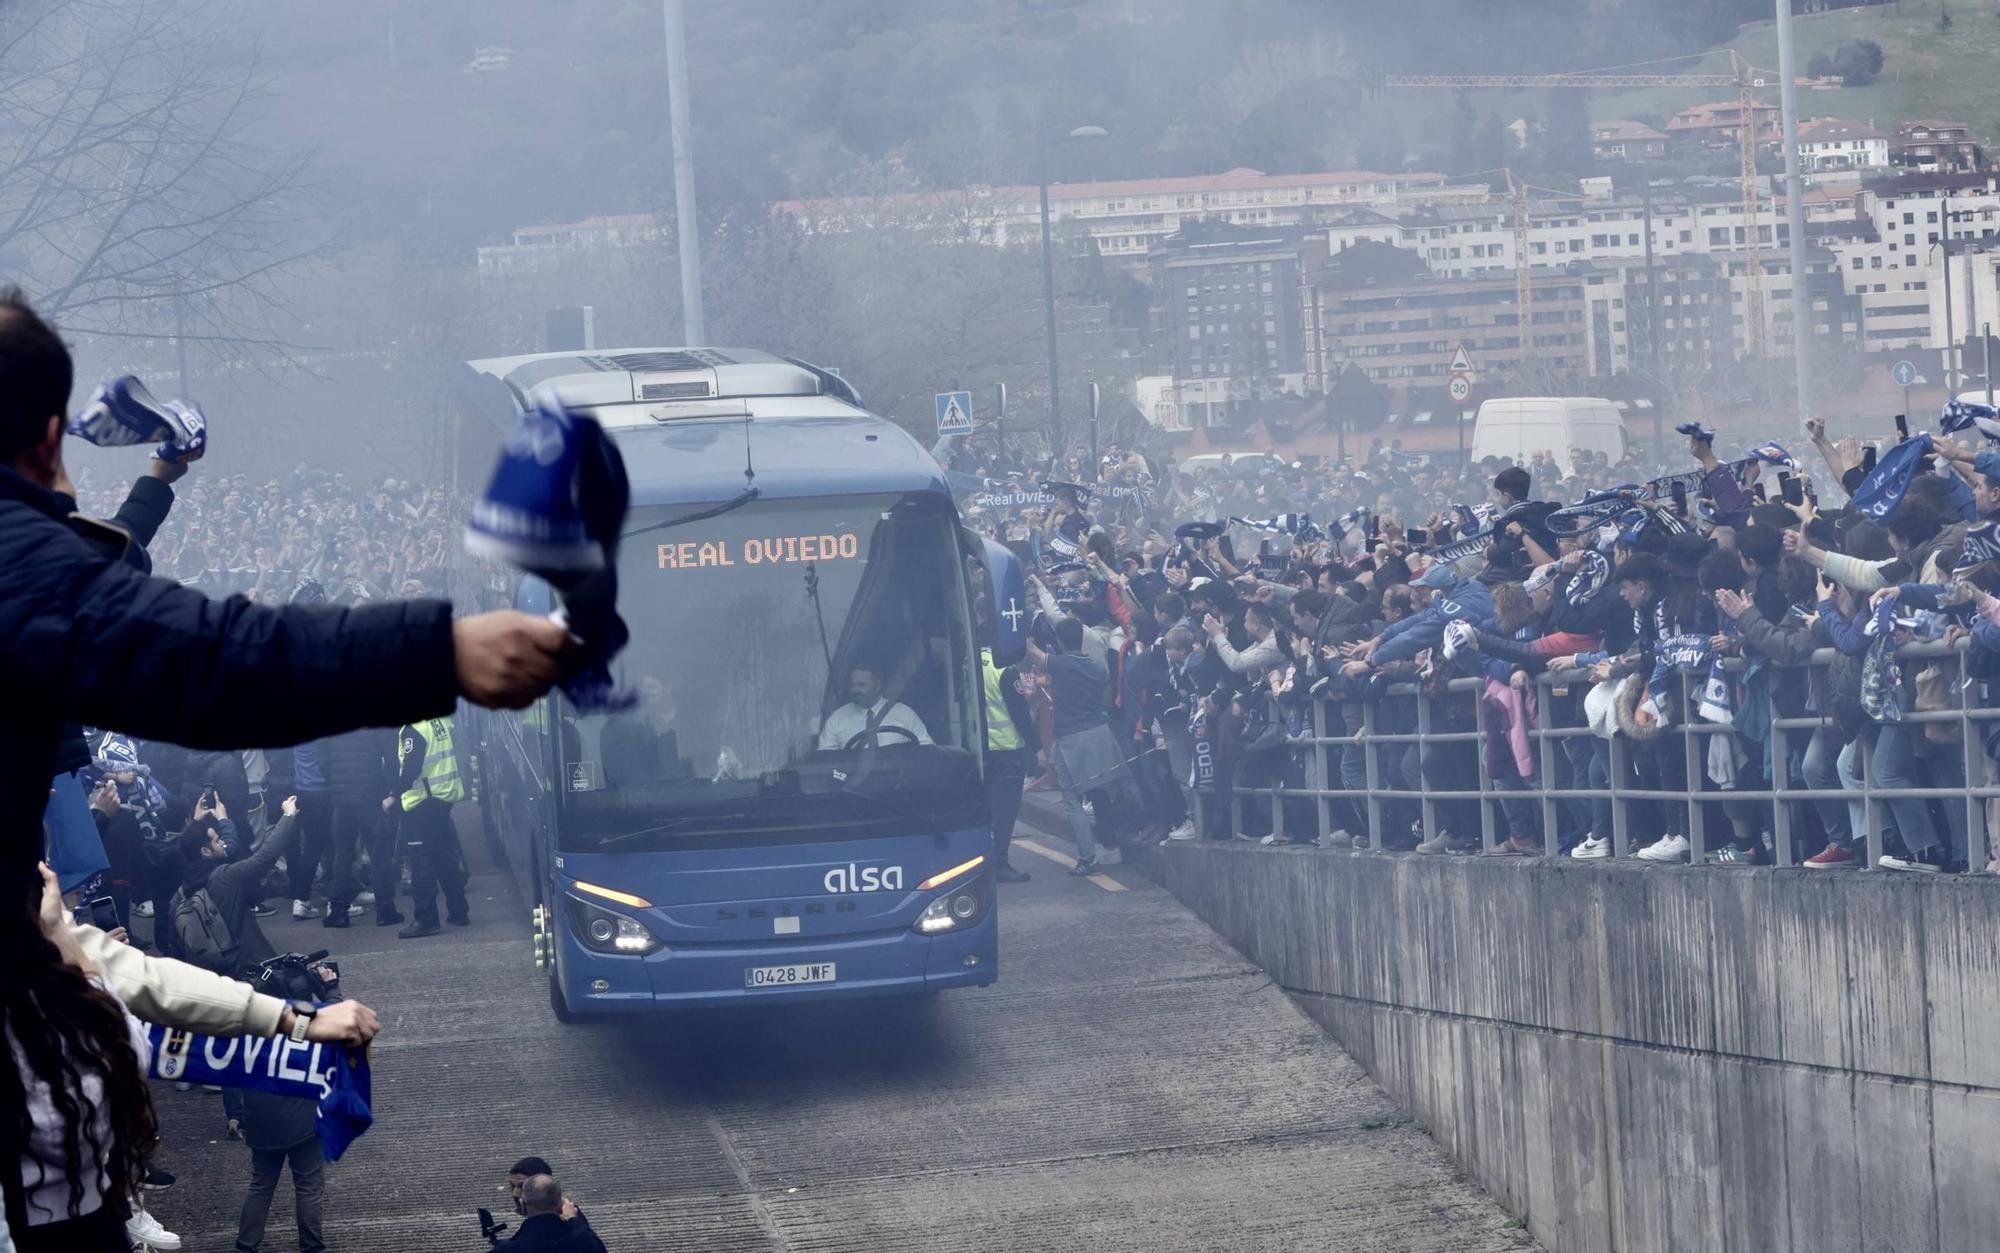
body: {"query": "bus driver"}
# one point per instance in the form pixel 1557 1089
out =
pixel 868 709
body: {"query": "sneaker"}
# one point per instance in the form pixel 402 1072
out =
pixel 1007 874
pixel 1924 862
pixel 1083 868
pixel 334 920
pixel 364 898
pixel 144 909
pixel 356 908
pixel 1244 837
pixel 145 1231
pixel 261 910
pixel 1592 849
pixel 1336 839
pixel 1185 831
pixel 419 930
pixel 1436 846
pixel 1735 855
pixel 302 910
pixel 156 1179
pixel 1110 857
pixel 1270 839
pixel 1515 846
pixel 1668 848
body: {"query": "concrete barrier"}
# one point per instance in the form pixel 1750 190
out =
pixel 1646 1058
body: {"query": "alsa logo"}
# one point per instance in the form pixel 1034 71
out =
pixel 851 878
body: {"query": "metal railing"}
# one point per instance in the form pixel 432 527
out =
pixel 1555 784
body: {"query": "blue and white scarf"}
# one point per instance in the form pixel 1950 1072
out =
pixel 121 412
pixel 555 508
pixel 1960 415
pixel 333 1077
pixel 1774 454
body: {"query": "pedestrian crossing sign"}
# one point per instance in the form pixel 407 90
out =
pixel 954 413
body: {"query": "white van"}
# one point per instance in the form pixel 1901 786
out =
pixel 1521 426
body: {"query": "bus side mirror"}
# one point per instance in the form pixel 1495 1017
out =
pixel 1008 597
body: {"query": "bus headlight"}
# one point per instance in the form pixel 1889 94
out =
pixel 603 931
pixel 954 910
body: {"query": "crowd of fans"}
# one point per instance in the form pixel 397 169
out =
pixel 262 538
pixel 1223 599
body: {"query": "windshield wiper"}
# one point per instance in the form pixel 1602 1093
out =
pixel 668 827
pixel 743 498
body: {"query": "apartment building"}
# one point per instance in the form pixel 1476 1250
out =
pixel 1126 219
pixel 531 244
pixel 1402 333
pixel 1228 308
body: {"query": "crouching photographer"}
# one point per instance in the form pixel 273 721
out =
pixel 550 1219
pixel 544 1229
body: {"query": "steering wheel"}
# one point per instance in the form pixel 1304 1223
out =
pixel 871 736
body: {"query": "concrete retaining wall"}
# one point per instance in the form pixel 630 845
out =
pixel 1642 1058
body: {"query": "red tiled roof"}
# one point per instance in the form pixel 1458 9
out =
pixel 1241 178
pixel 1833 130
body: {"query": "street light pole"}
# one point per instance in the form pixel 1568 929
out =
pixel 687 231
pixel 1795 213
pixel 1049 300
pixel 1042 145
pixel 1950 331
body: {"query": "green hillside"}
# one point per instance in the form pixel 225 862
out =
pixel 1928 73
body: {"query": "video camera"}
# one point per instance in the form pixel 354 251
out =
pixel 490 1229
pixel 292 977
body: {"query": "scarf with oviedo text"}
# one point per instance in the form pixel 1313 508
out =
pixel 333 1076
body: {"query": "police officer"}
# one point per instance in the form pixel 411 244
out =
pixel 1012 741
pixel 429 783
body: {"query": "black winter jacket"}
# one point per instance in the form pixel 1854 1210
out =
pixel 357 765
pixel 86 638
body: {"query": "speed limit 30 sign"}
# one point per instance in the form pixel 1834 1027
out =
pixel 1459 389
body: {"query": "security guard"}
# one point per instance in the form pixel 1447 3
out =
pixel 1011 743
pixel 430 783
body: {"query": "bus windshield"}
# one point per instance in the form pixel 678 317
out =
pixel 805 670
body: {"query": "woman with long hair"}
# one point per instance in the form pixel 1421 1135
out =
pixel 75 1099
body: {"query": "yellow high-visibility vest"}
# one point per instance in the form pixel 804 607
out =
pixel 1001 733
pixel 439 780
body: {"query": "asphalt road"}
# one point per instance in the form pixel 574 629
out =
pixel 1129 1083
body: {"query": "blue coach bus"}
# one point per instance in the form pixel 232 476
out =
pixel 795 809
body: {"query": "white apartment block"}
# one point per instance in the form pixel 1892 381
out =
pixel 1463 241
pixel 1128 218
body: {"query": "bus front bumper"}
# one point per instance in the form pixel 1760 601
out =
pixel 703 976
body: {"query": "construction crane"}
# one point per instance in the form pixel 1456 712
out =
pixel 1741 76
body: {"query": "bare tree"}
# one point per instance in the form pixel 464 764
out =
pixel 131 201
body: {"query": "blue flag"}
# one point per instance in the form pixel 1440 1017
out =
pixel 1880 493
pixel 332 1076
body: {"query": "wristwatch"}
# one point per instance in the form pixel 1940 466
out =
pixel 302 1016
